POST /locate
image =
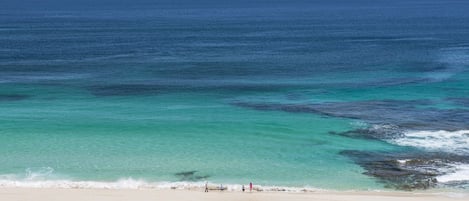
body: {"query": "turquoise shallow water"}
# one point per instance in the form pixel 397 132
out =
pixel 154 137
pixel 344 96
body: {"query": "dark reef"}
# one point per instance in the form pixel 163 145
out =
pixel 190 176
pixel 13 97
pixel 408 114
pixel 405 171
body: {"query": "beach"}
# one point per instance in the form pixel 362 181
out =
pixel 34 194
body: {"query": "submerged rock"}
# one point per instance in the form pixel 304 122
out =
pixel 406 114
pixel 460 101
pixel 405 171
pixel 13 97
pixel 190 176
pixel 123 89
pixel 378 132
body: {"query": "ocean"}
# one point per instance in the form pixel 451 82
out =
pixel 289 95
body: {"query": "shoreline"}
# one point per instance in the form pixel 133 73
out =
pixel 50 194
pixel 130 183
pixel 140 184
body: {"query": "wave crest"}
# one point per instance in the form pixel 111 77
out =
pixel 130 183
pixel 456 142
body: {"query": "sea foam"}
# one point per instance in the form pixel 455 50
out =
pixel 130 183
pixel 44 177
pixel 456 142
pixel 460 173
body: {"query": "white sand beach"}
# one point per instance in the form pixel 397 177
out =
pixel 49 194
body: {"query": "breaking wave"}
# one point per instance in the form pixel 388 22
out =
pixel 451 142
pixel 459 172
pixel 44 177
pixel 456 142
pixel 130 183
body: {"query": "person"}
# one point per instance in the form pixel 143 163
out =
pixel 206 186
pixel 243 188
pixel 250 186
pixel 221 187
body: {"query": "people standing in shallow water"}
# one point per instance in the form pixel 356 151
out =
pixel 242 187
pixel 250 186
pixel 206 187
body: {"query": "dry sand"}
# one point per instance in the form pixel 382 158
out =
pixel 44 194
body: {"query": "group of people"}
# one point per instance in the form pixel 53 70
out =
pixel 221 187
pixel 250 187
